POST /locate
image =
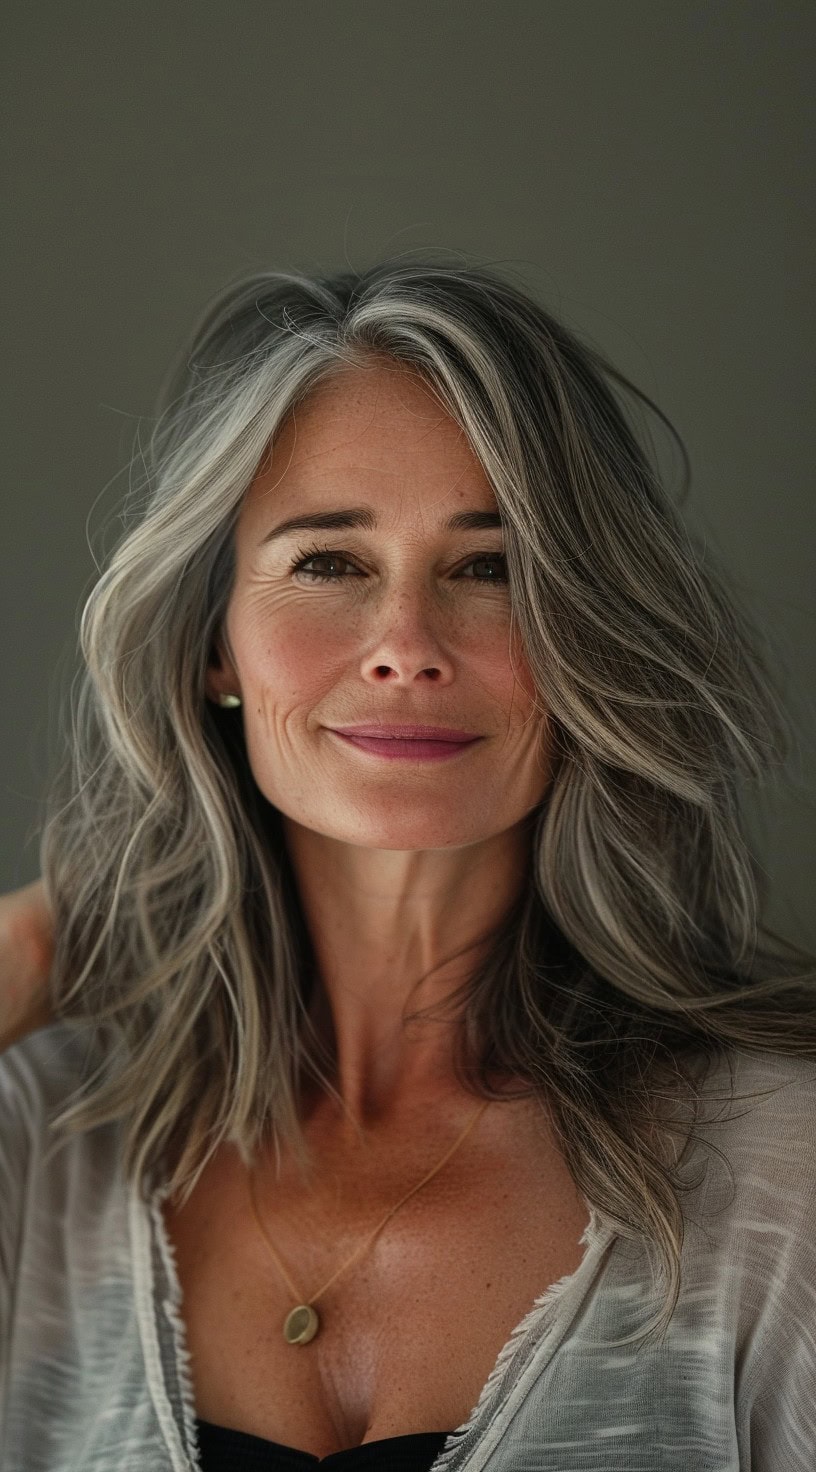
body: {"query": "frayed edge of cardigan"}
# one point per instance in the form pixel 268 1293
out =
pixel 172 1308
pixel 534 1318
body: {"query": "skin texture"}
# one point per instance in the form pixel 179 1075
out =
pixel 26 950
pixel 399 864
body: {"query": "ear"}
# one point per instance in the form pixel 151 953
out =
pixel 221 677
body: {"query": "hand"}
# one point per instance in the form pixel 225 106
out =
pixel 26 953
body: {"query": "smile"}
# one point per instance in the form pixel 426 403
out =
pixel 401 750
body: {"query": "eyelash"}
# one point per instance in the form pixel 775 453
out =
pixel 306 555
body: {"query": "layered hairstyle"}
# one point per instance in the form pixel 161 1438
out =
pixel 635 954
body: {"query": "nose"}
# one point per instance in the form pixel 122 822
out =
pixel 410 640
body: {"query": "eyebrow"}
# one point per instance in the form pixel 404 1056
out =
pixel 364 516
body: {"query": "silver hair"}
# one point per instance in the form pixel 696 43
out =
pixel 635 955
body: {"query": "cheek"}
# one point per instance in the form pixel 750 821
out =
pixel 297 647
pixel 520 674
pixel 524 685
pixel 280 646
pixel 502 669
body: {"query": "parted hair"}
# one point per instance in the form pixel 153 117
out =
pixel 635 955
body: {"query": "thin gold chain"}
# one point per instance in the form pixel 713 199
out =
pixel 359 1252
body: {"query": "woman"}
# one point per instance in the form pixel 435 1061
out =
pixel 379 1062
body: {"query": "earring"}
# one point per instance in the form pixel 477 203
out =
pixel 228 701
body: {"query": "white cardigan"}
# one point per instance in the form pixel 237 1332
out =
pixel 95 1375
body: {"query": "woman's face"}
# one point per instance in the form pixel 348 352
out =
pixel 411 623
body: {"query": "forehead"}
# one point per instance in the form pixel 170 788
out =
pixel 378 430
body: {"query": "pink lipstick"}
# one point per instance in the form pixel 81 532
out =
pixel 414 743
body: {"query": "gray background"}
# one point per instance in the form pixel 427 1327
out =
pixel 645 167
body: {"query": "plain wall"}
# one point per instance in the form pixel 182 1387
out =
pixel 646 168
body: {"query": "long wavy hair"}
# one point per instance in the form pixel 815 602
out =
pixel 635 953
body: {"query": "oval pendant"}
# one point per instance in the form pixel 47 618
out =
pixel 301 1325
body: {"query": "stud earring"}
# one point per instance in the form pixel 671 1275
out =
pixel 229 701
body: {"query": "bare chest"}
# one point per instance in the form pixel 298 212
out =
pixel 409 1333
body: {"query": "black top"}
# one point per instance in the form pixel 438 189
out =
pixel 225 1450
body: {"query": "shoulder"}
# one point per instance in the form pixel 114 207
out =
pixel 765 1102
pixel 756 1134
pixel 761 1107
pixel 43 1069
pixel 43 1166
pixel 760 1247
pixel 39 1076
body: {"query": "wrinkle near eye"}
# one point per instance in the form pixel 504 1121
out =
pixel 459 566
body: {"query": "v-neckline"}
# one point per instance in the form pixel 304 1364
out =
pixel 157 1291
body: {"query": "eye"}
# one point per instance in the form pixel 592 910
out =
pixel 314 554
pixel 488 557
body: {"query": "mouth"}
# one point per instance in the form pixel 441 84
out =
pixel 395 748
pixel 385 731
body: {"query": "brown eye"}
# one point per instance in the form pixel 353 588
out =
pixel 325 555
pixel 319 554
pixel 494 557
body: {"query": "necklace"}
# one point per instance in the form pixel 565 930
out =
pixel 302 1323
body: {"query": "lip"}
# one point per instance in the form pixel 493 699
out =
pixel 394 748
pixel 381 732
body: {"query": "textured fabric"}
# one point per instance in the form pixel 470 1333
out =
pixel 95 1375
pixel 222 1450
